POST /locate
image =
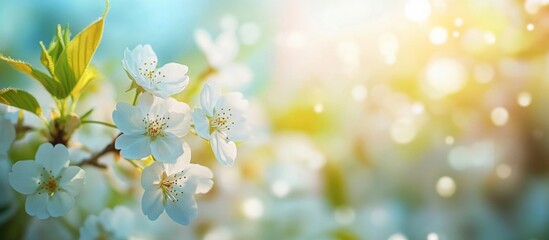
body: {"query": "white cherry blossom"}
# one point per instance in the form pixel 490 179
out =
pixel 221 120
pixel 49 182
pixel 171 187
pixel 153 127
pixel 221 53
pixel 141 65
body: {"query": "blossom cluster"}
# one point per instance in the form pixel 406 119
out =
pixel 157 123
pixel 152 131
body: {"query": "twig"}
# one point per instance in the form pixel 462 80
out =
pixel 98 122
pixel 94 160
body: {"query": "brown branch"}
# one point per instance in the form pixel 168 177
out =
pixel 94 160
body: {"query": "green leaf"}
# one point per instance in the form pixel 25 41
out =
pixel 90 74
pixel 46 59
pixel 20 99
pixel 57 44
pixel 77 55
pixel 49 83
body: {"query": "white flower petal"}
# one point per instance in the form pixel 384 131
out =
pixel 151 176
pixel 176 106
pixel 145 54
pixel 7 131
pixel 233 100
pixel 238 132
pixel 129 63
pixel 145 102
pixel 139 61
pixel 53 158
pixel 202 177
pixel 209 97
pixel 72 179
pixel 127 119
pixel 224 150
pixel 60 203
pixel 24 176
pixel 174 72
pixel 182 163
pixel 179 124
pixel 133 146
pixel 36 205
pixel 182 211
pixel 166 149
pixel 201 123
pixel 151 204
pixel 165 89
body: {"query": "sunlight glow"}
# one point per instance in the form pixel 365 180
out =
pixel 417 10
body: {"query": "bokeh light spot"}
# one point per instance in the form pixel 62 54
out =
pixel 449 140
pixel 503 171
pixel 432 236
pixel 499 116
pixel 359 93
pixel 280 188
pixel 446 187
pixel 524 99
pixel 403 131
pixel 438 35
pixel 252 208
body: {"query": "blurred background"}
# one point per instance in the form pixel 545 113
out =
pixel 395 119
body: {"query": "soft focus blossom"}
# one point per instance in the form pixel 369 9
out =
pixel 8 202
pixel 49 182
pixel 110 224
pixel 141 65
pixel 154 127
pixel 7 133
pixel 221 53
pixel 221 120
pixel 171 187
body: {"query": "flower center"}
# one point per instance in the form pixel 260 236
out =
pixel 172 186
pixel 222 120
pixel 48 183
pixel 155 125
pixel 149 70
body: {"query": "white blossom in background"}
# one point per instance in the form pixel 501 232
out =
pixel 49 182
pixel 221 120
pixel 117 223
pixel 8 112
pixel 153 127
pixel 7 133
pixel 8 202
pixel 221 54
pixel 141 65
pixel 8 116
pixel 171 187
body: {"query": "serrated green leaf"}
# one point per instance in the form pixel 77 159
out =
pixel 61 39
pixel 20 99
pixel 57 44
pixel 46 59
pixel 77 55
pixel 49 83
